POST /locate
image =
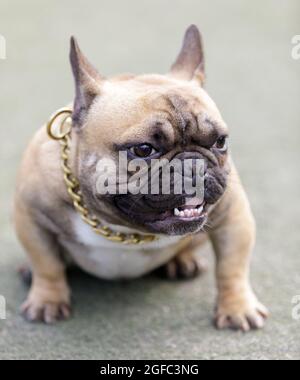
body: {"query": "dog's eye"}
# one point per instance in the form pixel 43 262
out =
pixel 143 150
pixel 221 144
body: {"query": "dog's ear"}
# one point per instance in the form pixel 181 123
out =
pixel 189 64
pixel 87 83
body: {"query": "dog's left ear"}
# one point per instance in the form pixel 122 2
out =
pixel 189 64
pixel 87 83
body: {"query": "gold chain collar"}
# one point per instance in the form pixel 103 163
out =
pixel 63 135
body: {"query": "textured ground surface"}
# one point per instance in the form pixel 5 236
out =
pixel 256 84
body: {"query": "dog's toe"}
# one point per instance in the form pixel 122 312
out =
pixel 184 267
pixel 47 312
pixel 246 318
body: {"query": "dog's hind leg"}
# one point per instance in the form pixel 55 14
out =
pixel 187 263
pixel 25 273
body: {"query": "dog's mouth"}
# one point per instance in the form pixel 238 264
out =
pixel 185 213
pixel 189 217
pixel 192 210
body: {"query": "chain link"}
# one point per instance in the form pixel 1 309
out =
pixel 73 186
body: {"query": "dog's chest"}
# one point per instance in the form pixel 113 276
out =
pixel 109 260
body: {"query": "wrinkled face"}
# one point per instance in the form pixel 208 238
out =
pixel 151 119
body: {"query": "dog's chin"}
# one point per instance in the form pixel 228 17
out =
pixel 167 222
pixel 176 226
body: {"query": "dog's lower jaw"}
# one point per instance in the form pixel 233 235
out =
pixel 167 223
pixel 176 227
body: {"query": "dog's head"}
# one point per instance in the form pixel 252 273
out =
pixel 150 119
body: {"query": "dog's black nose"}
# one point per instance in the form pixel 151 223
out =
pixel 194 165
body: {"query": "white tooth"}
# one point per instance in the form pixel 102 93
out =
pixel 176 212
pixel 200 209
pixel 181 213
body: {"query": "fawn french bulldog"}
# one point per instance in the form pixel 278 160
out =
pixel 60 216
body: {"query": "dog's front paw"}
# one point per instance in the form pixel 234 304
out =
pixel 35 310
pixel 240 314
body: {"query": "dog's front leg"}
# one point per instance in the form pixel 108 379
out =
pixel 233 240
pixel 49 297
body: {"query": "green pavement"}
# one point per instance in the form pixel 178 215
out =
pixel 256 84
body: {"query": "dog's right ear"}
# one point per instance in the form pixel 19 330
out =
pixel 87 83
